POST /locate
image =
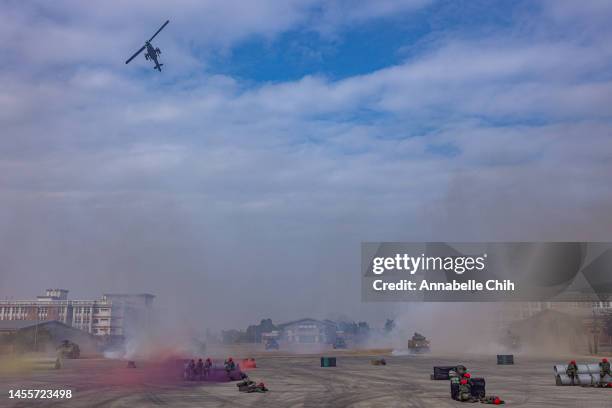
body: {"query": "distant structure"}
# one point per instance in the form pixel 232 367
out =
pixel 27 335
pixel 114 315
pixel 308 331
pixel 591 314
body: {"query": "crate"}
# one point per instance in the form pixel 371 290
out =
pixel 328 361
pixel 478 387
pixel 442 372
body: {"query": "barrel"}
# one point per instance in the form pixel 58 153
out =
pixel 585 379
pixel 582 368
pixel 563 379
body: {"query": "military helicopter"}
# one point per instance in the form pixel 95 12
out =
pixel 152 53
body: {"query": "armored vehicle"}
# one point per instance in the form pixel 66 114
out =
pixel 418 344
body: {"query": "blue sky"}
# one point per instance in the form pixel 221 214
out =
pixel 281 134
pixel 364 47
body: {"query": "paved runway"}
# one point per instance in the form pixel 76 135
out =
pixel 298 381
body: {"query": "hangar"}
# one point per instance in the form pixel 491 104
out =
pixel 26 335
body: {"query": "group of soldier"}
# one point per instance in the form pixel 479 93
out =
pixel 462 381
pixel 604 370
pixel 201 369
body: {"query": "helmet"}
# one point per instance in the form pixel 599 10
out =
pixel 208 359
pixel 230 359
pixel 573 362
pixel 496 401
pixel 604 360
pixel 261 384
pixel 463 381
pixel 467 375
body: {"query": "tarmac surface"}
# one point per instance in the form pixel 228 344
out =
pixel 299 381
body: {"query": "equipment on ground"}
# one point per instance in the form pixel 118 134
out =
pixel 588 375
pixel 248 363
pixel 245 384
pixel 442 372
pixel 505 359
pixel 380 361
pixel 328 361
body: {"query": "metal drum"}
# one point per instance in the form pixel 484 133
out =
pixel 562 379
pixel 593 368
pixel 585 379
pixel 560 368
pixel 582 368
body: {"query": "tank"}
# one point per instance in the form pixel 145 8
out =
pixel 68 349
pixel 418 344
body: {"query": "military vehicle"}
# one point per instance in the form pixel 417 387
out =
pixel 340 343
pixel 68 349
pixel 152 53
pixel 272 344
pixel 418 344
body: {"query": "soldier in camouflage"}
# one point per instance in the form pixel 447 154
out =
pixel 604 368
pixel 230 365
pixel 456 374
pixel 572 371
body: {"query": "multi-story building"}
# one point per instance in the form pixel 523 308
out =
pixel 112 315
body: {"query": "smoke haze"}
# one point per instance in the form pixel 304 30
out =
pixel 234 196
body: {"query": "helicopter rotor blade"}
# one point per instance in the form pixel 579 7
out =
pixel 160 28
pixel 135 54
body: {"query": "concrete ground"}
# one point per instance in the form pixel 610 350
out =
pixel 299 381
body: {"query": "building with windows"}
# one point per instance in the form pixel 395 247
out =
pixel 112 315
pixel 308 331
